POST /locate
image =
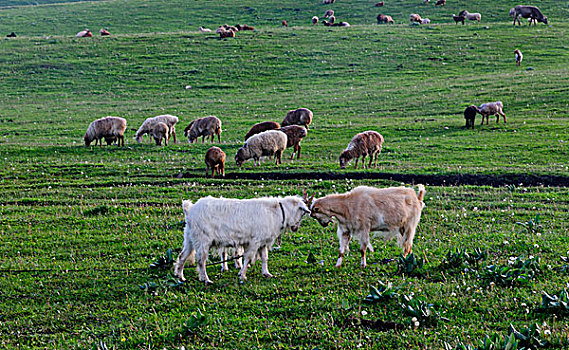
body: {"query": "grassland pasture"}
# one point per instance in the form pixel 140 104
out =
pixel 80 226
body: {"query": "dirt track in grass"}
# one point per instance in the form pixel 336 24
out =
pixel 427 179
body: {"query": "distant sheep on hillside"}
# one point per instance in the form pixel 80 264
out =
pixel 207 126
pixel 108 127
pixel 267 143
pixel 362 145
pixel 300 116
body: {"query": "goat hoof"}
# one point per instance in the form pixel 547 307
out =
pixel 268 275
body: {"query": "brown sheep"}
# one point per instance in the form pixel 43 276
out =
pixel 284 23
pixel 470 116
pixel 226 34
pixel 300 116
pixel 295 134
pixel 104 32
pixel 441 3
pixel 458 19
pixel 379 4
pixel 159 132
pixel 260 127
pixel 361 145
pixel 208 126
pixel 328 13
pixel 215 159
pixel 381 18
pixel 244 27
pixel 415 18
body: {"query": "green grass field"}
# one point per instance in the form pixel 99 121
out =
pixel 79 227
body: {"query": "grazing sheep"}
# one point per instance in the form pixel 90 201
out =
pixel 328 13
pixel 207 126
pixel 458 19
pixel 492 108
pixel 470 116
pixel 425 21
pixel 267 143
pixel 215 159
pixel 244 27
pixel 415 18
pixel 314 20
pixel 379 4
pixel 391 212
pixel 248 224
pixel 84 34
pixel 441 3
pixel 384 19
pixel 362 144
pixel 331 19
pixel 471 16
pixel 294 134
pixel 204 30
pixel 260 127
pixel 224 33
pixel 284 23
pixel 531 12
pixel 108 127
pixel 104 32
pixel 519 57
pixel 300 116
pixel 325 2
pixel 160 132
pixel 148 125
pixel 11 35
pixel 341 24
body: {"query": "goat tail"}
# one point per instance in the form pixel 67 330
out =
pixel 421 192
pixel 186 205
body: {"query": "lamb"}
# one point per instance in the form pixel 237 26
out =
pixel 267 143
pixel 392 212
pixel 379 4
pixel 415 18
pixel 294 134
pixel 104 32
pixel 160 132
pixel 84 34
pixel 111 127
pixel 519 57
pixel 314 20
pixel 207 126
pixel 458 19
pixel 492 108
pixel 471 16
pixel 300 116
pixel 362 144
pixel 328 13
pixel 215 159
pixel 260 127
pixel 470 116
pixel 531 12
pixel 148 125
pixel 441 3
pixel 204 30
pixel 248 224
pixel 425 21
pixel 384 19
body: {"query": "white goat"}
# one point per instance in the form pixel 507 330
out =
pixel 252 224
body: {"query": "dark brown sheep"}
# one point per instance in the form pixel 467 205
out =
pixel 215 159
pixel 458 19
pixel 284 23
pixel 470 116
pixel 300 116
pixel 260 127
pixel 441 3
pixel 379 4
pixel 381 18
pixel 295 134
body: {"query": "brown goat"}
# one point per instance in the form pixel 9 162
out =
pixel 215 159
pixel 363 144
pixel 260 127
pixel 300 116
pixel 294 134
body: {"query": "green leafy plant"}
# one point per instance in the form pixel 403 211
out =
pixel 532 226
pixel 420 309
pixel 382 292
pixel 475 257
pixel 163 262
pixel 409 265
pixel 558 303
pixel 193 323
pixel 454 259
pixel 517 271
pixel 528 338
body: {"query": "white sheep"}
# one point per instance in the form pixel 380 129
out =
pixel 108 128
pixel 204 30
pixel 471 16
pixel 148 125
pixel 425 21
pixel 267 143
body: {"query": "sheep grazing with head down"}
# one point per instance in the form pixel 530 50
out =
pixel 149 123
pixel 425 21
pixel 267 143
pixel 470 116
pixel 104 32
pixel 300 116
pixel 260 127
pixel 381 18
pixel 379 4
pixel 315 20
pixel 160 132
pixel 84 34
pixel 331 19
pixel 441 3
pixel 215 159
pixel 284 23
pixel 519 57
pixel 362 144
pixel 109 128
pixel 207 126
pixel 415 18
pixel 328 13
pixel 294 134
